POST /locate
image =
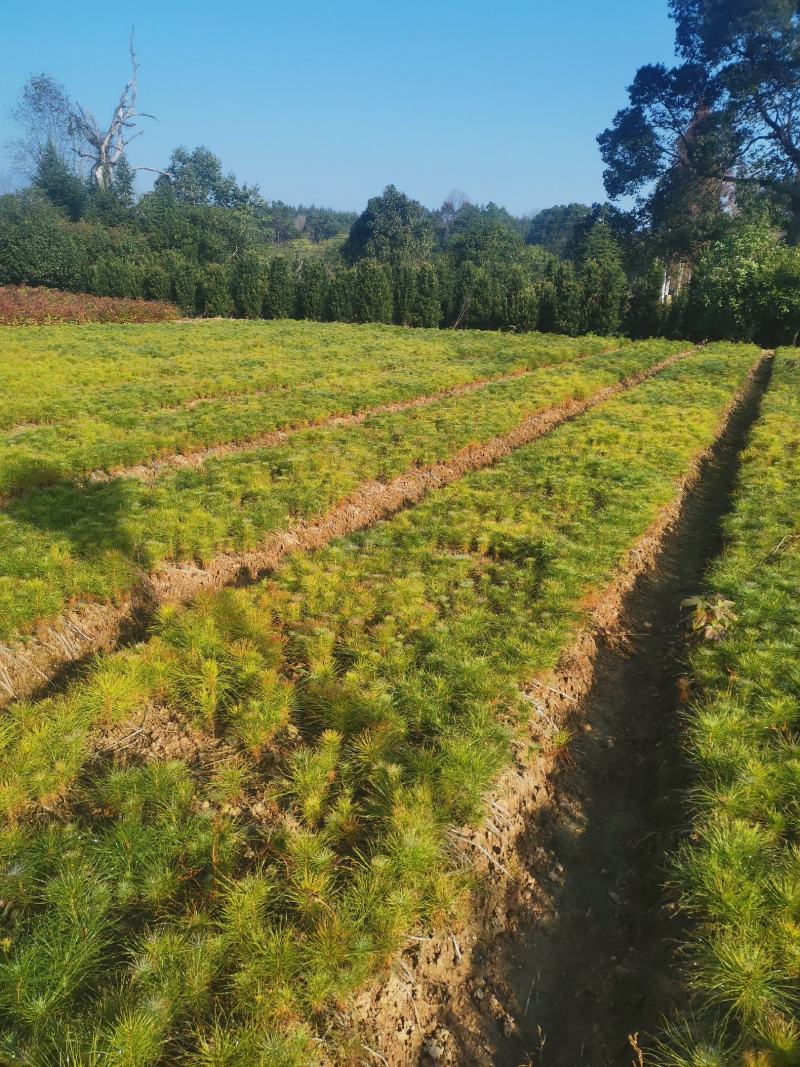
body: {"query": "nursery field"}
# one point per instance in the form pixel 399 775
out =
pixel 217 832
pixel 122 395
pixel 741 878
pixel 268 459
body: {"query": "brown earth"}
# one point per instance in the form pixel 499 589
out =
pixel 146 472
pixel 569 947
pixel 193 458
pixel 28 666
pixel 197 457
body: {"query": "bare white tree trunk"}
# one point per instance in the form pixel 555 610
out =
pixel 665 286
pixel 103 148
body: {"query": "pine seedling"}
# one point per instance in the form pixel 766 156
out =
pixel 113 692
pixel 156 788
pixel 469 759
pixel 223 1044
pixel 229 785
pixel 266 986
pixel 176 970
pixel 336 958
pixel 377 902
pixel 312 774
pixel 246 905
pixel 693 1042
pixel 344 821
pixel 136 1038
pixel 311 875
pixel 257 719
pixel 741 975
pixel 61 955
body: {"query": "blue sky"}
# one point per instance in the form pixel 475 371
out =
pixel 328 102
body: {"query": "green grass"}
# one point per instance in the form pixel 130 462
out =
pixel 72 541
pixel 740 878
pixel 116 395
pixel 365 698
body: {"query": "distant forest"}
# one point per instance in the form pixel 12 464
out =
pixel 707 153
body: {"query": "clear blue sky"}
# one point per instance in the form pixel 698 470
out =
pixel 328 102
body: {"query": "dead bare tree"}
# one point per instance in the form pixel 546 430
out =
pixel 103 148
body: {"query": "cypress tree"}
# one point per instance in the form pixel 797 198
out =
pixel 341 296
pixel 249 285
pixel 215 291
pixel 312 290
pixel 279 299
pixel 427 299
pixel 372 297
pixel 405 294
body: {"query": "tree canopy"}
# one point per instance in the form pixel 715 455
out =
pixel 723 118
pixel 197 178
pixel 555 228
pixel 392 229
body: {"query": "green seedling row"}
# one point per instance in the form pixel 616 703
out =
pixel 117 395
pixel 740 878
pixel 214 907
pixel 74 541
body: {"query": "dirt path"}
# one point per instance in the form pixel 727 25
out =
pixel 193 458
pixel 90 627
pixel 150 470
pixel 571 949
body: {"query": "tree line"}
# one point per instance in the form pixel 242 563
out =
pixel 708 150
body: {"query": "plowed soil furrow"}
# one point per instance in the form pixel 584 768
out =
pixel 150 470
pixel 28 666
pixel 570 947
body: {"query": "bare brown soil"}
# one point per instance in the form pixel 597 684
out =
pixel 192 460
pixel 26 667
pixel 195 458
pixel 569 946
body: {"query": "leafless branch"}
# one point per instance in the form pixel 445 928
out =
pixel 104 147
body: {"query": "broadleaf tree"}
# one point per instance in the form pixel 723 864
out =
pixel 727 115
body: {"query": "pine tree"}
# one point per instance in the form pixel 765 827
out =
pixel 59 184
pixel 122 182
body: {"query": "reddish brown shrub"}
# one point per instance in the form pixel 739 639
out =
pixel 24 305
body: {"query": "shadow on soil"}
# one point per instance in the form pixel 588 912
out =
pixel 90 517
pixel 595 961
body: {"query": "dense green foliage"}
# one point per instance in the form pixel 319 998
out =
pixel 557 228
pixel 207 904
pixel 746 286
pixel 724 117
pixel 201 385
pixel 212 257
pixel 483 277
pixel 709 147
pixel 740 879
